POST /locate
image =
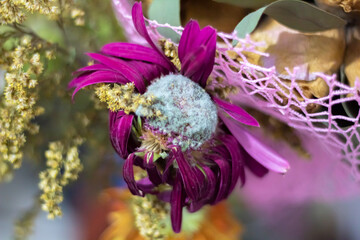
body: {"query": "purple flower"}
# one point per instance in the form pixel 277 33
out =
pixel 195 145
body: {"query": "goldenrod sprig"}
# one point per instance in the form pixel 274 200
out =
pixel 63 166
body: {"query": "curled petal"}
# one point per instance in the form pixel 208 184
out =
pixel 210 184
pixel 256 148
pixel 177 199
pixel 236 112
pixel 120 129
pixel 225 179
pixel 96 77
pixel 192 177
pixel 128 173
pixel 138 19
pixel 237 161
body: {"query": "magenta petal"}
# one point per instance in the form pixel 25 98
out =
pixel 94 67
pixel 120 129
pixel 147 70
pixel 76 81
pixel 128 173
pixel 225 179
pixel 136 52
pixel 192 177
pixel 96 77
pixel 193 64
pixel 138 19
pixel 236 112
pixel 256 148
pixel 176 202
pixel 188 37
pixel 123 68
pixel 197 52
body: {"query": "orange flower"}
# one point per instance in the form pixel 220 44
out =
pixel 215 224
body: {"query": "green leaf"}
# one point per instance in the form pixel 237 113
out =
pixel 294 14
pixel 166 11
pixel 246 3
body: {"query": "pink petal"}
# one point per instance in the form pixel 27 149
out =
pixel 255 147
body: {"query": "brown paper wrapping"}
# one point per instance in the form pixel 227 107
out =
pixel 346 9
pixel 310 52
pixel 352 55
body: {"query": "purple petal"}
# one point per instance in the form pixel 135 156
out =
pixel 192 177
pixel 256 148
pixel 153 172
pixel 146 186
pixel 225 179
pixel 136 52
pixel 96 77
pixel 177 202
pixel 120 129
pixel 164 196
pixel 128 173
pixel 166 173
pixel 195 206
pixel 236 112
pixel 123 68
pixel 138 19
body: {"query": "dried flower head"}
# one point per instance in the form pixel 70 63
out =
pixel 191 158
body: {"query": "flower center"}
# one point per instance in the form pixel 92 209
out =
pixel 188 115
